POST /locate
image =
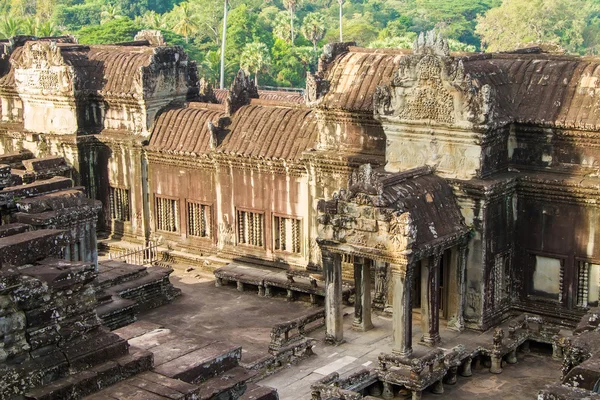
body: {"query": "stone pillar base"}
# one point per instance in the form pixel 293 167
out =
pixel 332 341
pixel 511 358
pixel 437 387
pixel 496 367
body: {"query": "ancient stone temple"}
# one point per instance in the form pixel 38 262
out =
pixel 459 187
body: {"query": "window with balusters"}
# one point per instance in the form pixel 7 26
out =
pixel 286 234
pixel 167 214
pixel 119 204
pixel 588 288
pixel 250 228
pixel 198 219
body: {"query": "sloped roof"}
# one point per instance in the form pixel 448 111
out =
pixel 542 88
pixel 354 76
pixel 256 130
pixel 271 132
pixel 107 69
pixel 429 200
pixel 536 88
pixel 271 95
pixel 184 130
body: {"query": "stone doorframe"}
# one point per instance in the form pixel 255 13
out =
pixel 402 268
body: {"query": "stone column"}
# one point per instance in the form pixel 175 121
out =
pixel 334 317
pixel 362 299
pixel 462 286
pixel 402 317
pixel 430 302
pixel 381 285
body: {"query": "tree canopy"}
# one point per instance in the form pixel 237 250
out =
pixel 280 39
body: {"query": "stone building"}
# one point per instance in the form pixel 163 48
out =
pixel 466 183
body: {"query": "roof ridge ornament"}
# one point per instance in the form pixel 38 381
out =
pixel 242 90
pixel 431 43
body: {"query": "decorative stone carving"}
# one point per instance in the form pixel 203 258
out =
pixel 431 43
pixel 154 37
pixel 242 90
pixel 432 86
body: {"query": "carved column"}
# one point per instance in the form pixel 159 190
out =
pixel 430 301
pixel 381 285
pixel 362 299
pixel 332 267
pixel 402 316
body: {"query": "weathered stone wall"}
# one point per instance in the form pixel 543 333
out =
pixel 227 187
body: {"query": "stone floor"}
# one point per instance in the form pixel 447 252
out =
pixel 223 314
pixel 246 319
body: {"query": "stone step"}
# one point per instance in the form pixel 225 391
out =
pixel 202 364
pixel 255 392
pixel 148 386
pixel 229 385
pixel 94 379
pixel 148 291
pixel 118 312
pixel 112 273
pixel 93 349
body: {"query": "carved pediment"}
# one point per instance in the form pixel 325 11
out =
pixel 431 87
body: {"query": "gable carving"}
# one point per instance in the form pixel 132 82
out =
pixel 432 87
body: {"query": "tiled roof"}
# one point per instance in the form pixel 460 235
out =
pixel 184 130
pixel 256 130
pixel 541 88
pixel 271 132
pixel 354 76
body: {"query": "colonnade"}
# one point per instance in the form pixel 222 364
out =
pixel 401 285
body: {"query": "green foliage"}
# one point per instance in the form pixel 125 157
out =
pixel 520 22
pixel 121 29
pixel 255 59
pixel 291 31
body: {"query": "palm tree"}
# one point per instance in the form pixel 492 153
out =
pixel 341 3
pixel 291 5
pixel 109 13
pixel 255 59
pixel 281 27
pixel 30 26
pixel 187 24
pixel 47 28
pixel 9 27
pixel 154 20
pixel 313 28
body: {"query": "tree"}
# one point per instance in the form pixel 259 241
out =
pixel 9 27
pixel 520 22
pixel 291 5
pixel 121 29
pixel 109 13
pixel 282 27
pixel 186 22
pixel 313 28
pixel 154 20
pixel 255 59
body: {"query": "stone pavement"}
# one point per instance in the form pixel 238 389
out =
pixel 361 349
pixel 245 319
pixel 223 314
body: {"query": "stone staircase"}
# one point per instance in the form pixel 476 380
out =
pixel 123 290
pixel 206 369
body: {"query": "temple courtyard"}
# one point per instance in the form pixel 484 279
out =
pixel 205 314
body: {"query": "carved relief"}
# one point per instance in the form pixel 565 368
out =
pixel 431 85
pixel 226 236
